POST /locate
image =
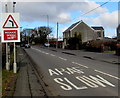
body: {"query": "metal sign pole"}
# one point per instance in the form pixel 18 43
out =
pixel 7 63
pixel 15 64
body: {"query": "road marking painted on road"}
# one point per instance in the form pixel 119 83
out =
pixel 87 82
pixel 67 70
pixel 46 53
pixel 80 64
pixel 38 50
pixel 52 54
pixel 107 74
pixel 63 59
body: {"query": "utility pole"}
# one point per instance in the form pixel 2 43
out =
pixel 48 29
pixel 57 37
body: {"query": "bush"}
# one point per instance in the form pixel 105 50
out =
pixel 118 49
pixel 100 45
pixel 75 42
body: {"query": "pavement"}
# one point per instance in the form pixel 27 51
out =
pixel 27 83
pixel 104 57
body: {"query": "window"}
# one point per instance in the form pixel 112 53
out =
pixel 99 34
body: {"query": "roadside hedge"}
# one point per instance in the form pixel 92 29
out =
pixel 100 45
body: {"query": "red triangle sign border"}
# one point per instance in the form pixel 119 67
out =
pixel 7 21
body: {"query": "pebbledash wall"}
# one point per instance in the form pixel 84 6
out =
pixel 87 33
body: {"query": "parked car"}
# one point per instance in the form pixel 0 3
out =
pixel 22 45
pixel 46 44
pixel 27 45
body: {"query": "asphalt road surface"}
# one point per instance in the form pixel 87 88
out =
pixel 69 75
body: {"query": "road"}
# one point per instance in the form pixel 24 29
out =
pixel 69 75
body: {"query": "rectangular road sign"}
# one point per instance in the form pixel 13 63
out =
pixel 10 35
pixel 10 27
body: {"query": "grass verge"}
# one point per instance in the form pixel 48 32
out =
pixel 109 51
pixel 8 82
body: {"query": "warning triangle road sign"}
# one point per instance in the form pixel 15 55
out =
pixel 10 23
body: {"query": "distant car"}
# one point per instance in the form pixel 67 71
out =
pixel 27 45
pixel 46 44
pixel 22 45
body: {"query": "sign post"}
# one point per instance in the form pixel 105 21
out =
pixel 15 64
pixel 7 62
pixel 11 33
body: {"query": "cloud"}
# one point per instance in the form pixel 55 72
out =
pixel 57 11
pixel 90 5
pixel 107 20
pixel 64 18
pixel 59 0
pixel 63 29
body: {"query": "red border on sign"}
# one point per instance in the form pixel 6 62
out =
pixel 7 21
pixel 5 35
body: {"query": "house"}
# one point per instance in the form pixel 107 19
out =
pixel 87 33
pixel 99 31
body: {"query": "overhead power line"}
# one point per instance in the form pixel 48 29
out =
pixel 95 8
pixel 91 10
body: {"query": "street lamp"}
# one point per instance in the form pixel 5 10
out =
pixel 14 7
pixel 6 8
pixel 7 57
pixel 15 64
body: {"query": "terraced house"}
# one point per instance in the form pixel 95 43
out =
pixel 87 33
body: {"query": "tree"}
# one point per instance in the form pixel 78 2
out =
pixel 75 42
pixel 42 33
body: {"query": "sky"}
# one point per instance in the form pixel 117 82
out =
pixel 34 14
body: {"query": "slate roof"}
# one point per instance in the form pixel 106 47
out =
pixel 98 28
pixel 67 30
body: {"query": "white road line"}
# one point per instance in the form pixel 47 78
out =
pixel 38 50
pixel 35 49
pixel 52 54
pixel 107 74
pixel 63 59
pixel 46 53
pixel 80 64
